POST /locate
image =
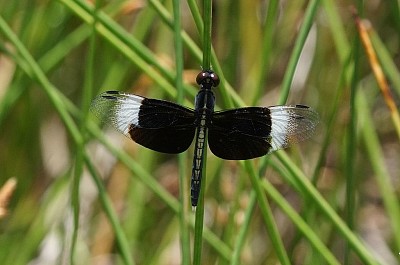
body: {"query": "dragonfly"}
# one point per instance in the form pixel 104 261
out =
pixel 234 134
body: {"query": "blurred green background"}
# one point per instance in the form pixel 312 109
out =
pixel 48 138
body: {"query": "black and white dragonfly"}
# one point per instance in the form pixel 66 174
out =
pixel 235 134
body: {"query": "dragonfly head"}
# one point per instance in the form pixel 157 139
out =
pixel 207 79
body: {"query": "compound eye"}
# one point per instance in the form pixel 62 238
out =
pixel 201 77
pixel 215 79
pixel 207 77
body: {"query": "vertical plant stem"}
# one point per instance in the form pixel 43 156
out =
pixel 198 234
pixel 350 157
pixel 351 185
pixel 207 9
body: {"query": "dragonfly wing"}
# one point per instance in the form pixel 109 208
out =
pixel 159 125
pixel 251 132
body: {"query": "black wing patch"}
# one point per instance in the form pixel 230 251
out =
pixel 240 133
pixel 251 132
pixel 159 125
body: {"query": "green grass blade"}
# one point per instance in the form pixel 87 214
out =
pixel 307 231
pixel 323 206
pixel 383 177
pixel 300 41
pixel 269 220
